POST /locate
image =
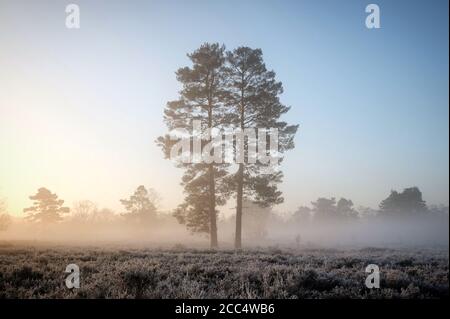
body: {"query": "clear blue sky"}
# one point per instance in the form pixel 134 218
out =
pixel 80 109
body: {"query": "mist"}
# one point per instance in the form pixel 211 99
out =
pixel 262 228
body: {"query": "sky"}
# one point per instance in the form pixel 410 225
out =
pixel 80 108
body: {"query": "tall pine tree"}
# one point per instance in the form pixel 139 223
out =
pixel 253 93
pixel 201 99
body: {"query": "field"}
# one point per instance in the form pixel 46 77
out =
pixel 38 272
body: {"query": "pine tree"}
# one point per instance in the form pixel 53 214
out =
pixel 408 202
pixel 201 99
pixel 253 93
pixel 47 208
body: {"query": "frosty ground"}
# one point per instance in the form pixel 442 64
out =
pixel 36 271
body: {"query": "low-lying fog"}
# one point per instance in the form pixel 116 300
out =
pixel 266 229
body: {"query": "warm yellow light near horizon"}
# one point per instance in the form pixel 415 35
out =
pixel 51 139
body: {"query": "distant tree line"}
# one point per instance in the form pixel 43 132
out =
pixel 141 208
pixel 406 204
pixel 141 211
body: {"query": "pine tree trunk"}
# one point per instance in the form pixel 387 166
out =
pixel 240 181
pixel 212 209
pixel 212 189
pixel 239 199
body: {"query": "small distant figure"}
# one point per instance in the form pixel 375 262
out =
pixel 298 240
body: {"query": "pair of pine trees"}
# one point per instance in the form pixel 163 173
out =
pixel 225 89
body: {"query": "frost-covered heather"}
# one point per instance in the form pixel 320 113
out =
pixel 30 272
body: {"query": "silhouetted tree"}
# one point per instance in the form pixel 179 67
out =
pixel 344 208
pixel 302 214
pixel 47 208
pixel 201 99
pixel 254 98
pixel 408 202
pixel 324 208
pixel 142 205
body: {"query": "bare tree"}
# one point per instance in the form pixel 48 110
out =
pixel 84 211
